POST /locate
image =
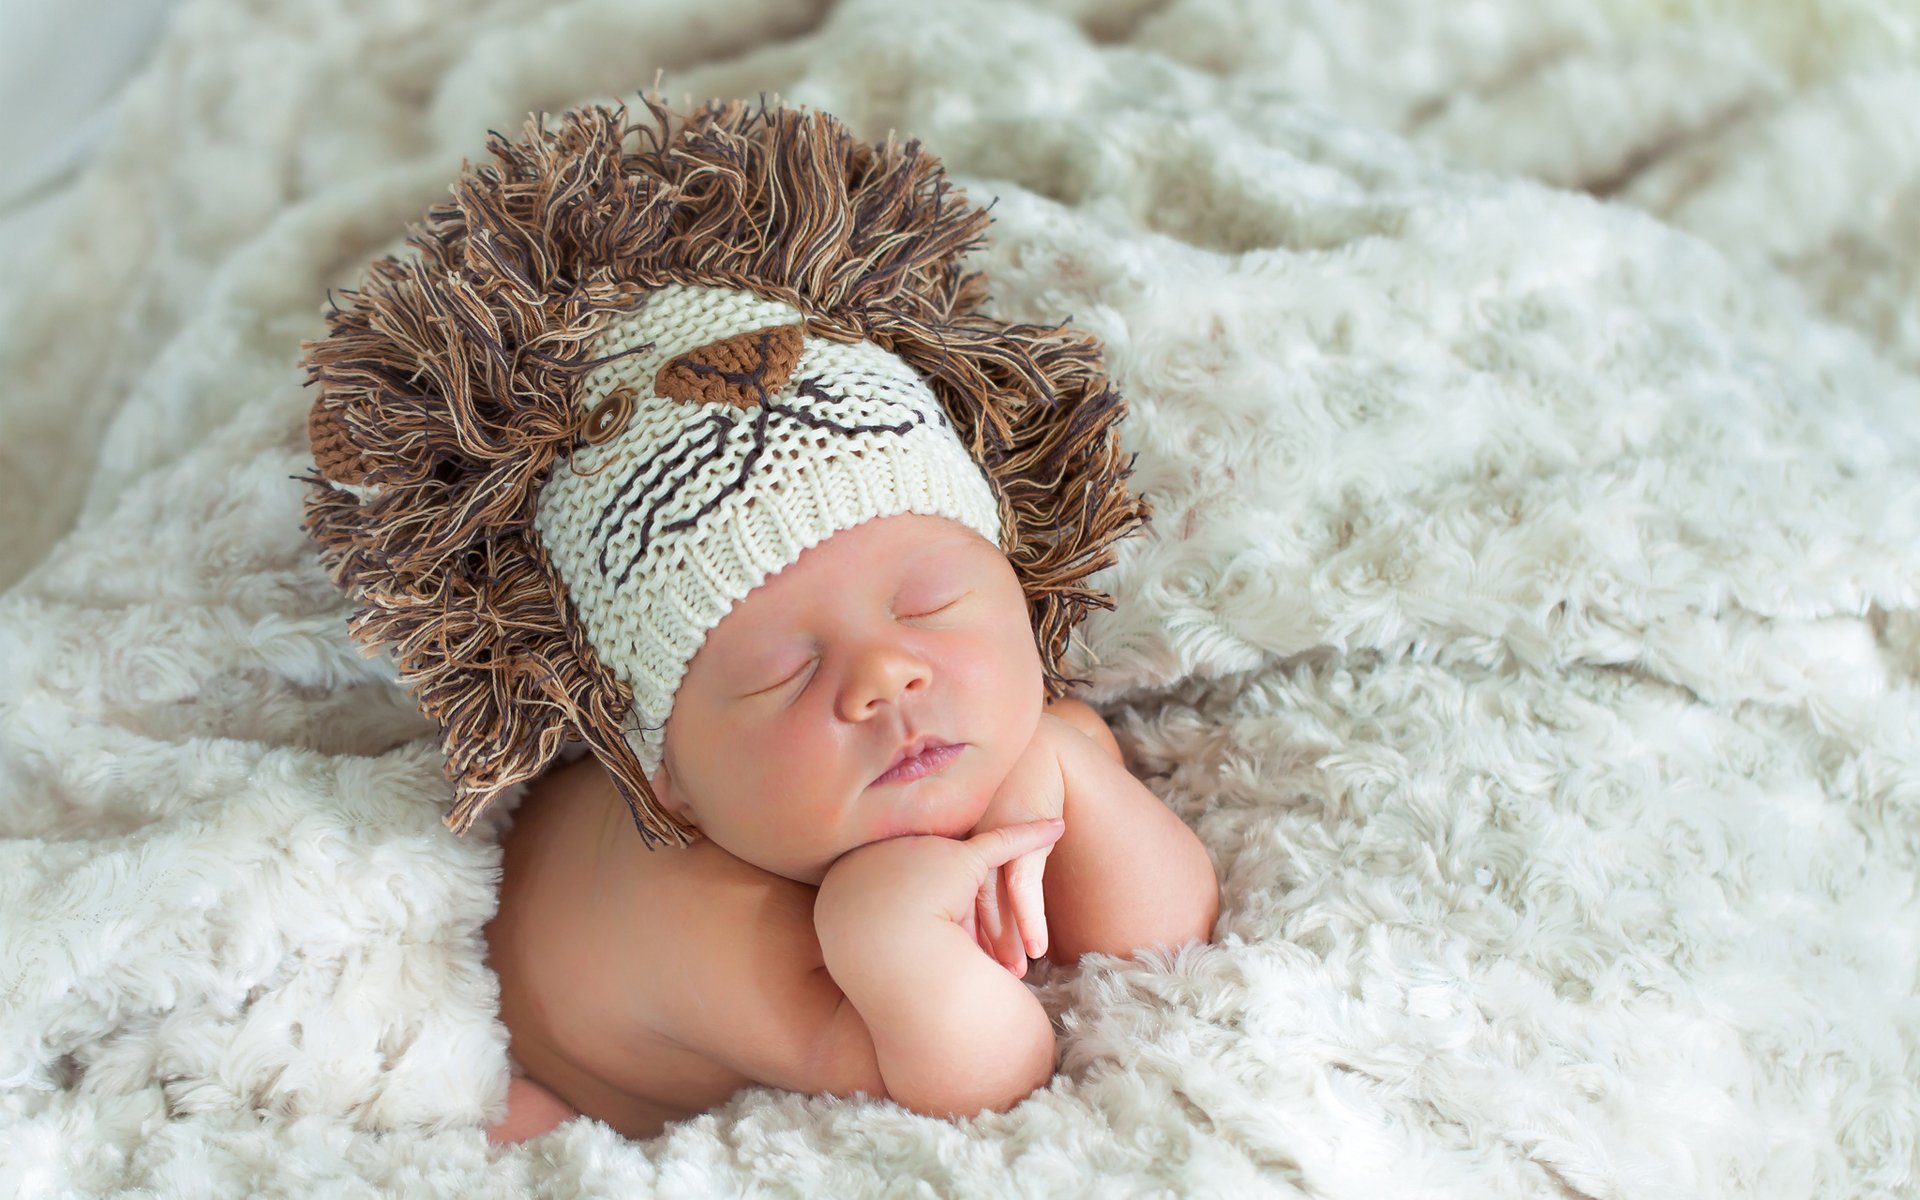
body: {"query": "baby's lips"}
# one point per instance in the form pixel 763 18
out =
pixel 909 752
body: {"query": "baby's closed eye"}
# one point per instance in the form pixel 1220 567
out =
pixel 914 611
pixel 904 612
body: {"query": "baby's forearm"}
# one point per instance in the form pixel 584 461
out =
pixel 953 1032
pixel 1127 873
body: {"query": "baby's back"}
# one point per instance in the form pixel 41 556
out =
pixel 594 943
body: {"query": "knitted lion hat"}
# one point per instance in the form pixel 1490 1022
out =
pixel 634 370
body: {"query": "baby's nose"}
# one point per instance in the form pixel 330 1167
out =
pixel 887 675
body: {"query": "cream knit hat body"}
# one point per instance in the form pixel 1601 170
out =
pixel 725 440
pixel 638 363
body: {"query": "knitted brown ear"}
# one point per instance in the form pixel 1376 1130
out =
pixel 333 452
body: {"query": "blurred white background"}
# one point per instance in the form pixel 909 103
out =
pixel 62 67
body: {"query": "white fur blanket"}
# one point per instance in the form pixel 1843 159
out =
pixel 1530 625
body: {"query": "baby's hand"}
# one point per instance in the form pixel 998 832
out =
pixel 1010 921
pixel 950 1034
pixel 912 877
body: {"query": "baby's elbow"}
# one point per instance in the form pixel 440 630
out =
pixel 1191 911
pixel 532 1110
pixel 1178 907
pixel 1021 1089
pixel 977 1094
pixel 957 1084
pixel 1209 912
pixel 1042 1061
pixel 1208 909
pixel 1189 905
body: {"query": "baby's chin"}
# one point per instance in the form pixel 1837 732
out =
pixel 937 807
pixel 947 805
pixel 954 826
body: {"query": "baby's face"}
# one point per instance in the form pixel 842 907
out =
pixel 806 691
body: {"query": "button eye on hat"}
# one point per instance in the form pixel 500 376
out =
pixel 634 365
pixel 606 419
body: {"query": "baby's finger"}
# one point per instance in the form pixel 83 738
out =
pixel 997 845
pixel 1028 900
pixel 987 903
pixel 1006 945
pixel 989 912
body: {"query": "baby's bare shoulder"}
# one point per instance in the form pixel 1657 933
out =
pixel 717 916
pixel 622 970
pixel 711 1006
pixel 1087 720
pixel 748 991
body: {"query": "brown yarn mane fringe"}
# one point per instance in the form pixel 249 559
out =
pixel 448 381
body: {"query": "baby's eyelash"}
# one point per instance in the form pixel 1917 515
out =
pixel 774 687
pixel 944 607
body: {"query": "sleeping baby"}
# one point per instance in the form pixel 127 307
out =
pixel 698 453
pixel 863 744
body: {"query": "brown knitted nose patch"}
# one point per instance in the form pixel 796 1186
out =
pixel 742 370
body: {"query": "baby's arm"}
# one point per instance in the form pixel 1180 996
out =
pixel 953 1033
pixel 1127 873
pixel 758 993
pixel 532 1109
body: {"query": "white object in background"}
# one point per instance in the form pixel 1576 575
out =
pixel 62 66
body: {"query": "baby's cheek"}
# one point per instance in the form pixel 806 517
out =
pixel 801 792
